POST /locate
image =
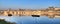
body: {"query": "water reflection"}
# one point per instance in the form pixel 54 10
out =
pixel 31 20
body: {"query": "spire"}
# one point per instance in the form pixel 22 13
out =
pixel 9 9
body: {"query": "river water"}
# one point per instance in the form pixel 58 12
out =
pixel 31 20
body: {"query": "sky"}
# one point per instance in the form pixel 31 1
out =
pixel 28 4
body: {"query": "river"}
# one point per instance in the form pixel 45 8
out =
pixel 31 20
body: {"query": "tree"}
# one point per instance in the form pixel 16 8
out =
pixel 2 21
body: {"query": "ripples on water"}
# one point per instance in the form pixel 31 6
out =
pixel 31 20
